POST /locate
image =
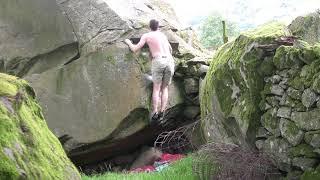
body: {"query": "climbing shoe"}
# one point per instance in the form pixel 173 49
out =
pixel 162 119
pixel 154 117
pixel 161 116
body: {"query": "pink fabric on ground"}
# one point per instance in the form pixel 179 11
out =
pixel 165 159
pixel 171 157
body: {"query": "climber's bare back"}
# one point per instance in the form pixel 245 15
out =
pixel 158 43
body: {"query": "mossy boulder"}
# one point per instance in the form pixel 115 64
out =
pixel 307 27
pixel 28 149
pixel 231 90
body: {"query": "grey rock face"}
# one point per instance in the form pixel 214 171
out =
pixel 262 133
pixel 304 163
pixel 294 175
pixel 277 148
pixel 259 144
pixel 277 90
pixel 103 93
pixel 313 138
pixel 291 132
pixel 307 27
pixel 316 84
pixel 287 101
pixel 318 104
pixel 284 83
pixel 284 112
pixel 270 121
pixel 267 106
pixel 32 33
pixel 191 85
pixel 302 150
pixel 191 112
pixel 203 69
pixel 293 93
pixel 307 120
pixel 273 101
pixel 308 98
pixel 275 79
pixel 92 19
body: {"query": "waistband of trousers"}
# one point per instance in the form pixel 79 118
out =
pixel 156 57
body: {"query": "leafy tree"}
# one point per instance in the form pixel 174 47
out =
pixel 211 31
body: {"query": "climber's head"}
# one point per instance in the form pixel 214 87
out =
pixel 154 24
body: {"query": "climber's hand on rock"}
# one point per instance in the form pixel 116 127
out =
pixel 127 41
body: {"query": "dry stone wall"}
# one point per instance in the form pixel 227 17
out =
pixel 262 92
pixel 290 106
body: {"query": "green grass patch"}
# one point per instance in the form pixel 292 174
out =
pixel 179 170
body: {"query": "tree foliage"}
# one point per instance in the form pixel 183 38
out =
pixel 211 31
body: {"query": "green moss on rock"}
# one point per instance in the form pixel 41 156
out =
pixel 313 138
pixel 302 150
pixel 235 80
pixel 110 58
pixel 307 27
pixel 141 58
pixel 309 73
pixel 267 68
pixel 296 83
pixel 270 121
pixel 316 84
pixel 28 150
pixel 287 57
pixel 312 174
pixel 291 132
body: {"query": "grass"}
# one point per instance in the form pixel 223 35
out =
pixel 179 170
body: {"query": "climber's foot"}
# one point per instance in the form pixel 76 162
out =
pixel 154 117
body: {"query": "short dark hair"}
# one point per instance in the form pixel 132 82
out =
pixel 154 24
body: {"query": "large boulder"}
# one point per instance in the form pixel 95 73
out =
pixel 307 27
pixel 93 20
pixel 92 88
pixel 34 36
pixel 231 91
pixel 97 23
pixel 28 149
pixel 102 95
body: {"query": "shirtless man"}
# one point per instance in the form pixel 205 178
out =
pixel 162 66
